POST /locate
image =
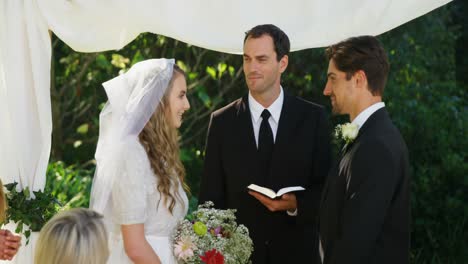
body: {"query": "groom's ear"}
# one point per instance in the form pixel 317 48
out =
pixel 360 78
pixel 283 63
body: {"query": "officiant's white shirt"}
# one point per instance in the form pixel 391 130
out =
pixel 275 108
pixel 256 110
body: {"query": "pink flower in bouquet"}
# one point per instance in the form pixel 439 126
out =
pixel 184 248
pixel 212 257
pixel 216 231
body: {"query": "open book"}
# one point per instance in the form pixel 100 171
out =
pixel 272 194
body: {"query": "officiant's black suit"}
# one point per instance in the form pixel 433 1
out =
pixel 369 221
pixel 301 156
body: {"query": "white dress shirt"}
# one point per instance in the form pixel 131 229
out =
pixel 256 110
pixel 364 115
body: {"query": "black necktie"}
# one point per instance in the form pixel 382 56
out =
pixel 265 144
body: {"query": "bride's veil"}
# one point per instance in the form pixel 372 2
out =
pixel 133 98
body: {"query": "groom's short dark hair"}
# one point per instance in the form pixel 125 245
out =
pixel 362 53
pixel 280 39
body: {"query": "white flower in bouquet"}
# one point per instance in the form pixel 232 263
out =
pixel 212 236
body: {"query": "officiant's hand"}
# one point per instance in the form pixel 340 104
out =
pixel 287 202
pixel 9 244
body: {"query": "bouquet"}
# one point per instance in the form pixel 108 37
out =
pixel 212 236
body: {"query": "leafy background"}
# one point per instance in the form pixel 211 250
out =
pixel 425 94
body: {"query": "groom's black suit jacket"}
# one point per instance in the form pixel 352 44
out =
pixel 301 156
pixel 369 221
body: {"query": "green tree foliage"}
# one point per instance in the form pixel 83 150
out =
pixel 70 185
pixel 431 111
pixel 422 95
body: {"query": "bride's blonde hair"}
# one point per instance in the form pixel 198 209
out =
pixel 161 142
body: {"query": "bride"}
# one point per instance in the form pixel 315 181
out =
pixel 139 182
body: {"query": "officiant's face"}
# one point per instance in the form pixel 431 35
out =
pixel 339 89
pixel 178 102
pixel 261 68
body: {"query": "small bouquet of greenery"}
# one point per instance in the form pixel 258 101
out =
pixel 29 214
pixel 210 235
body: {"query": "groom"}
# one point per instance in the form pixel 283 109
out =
pixel 365 209
pixel 271 139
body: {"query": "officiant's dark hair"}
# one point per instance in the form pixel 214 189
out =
pixel 280 39
pixel 364 53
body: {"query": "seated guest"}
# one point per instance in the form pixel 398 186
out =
pixel 75 236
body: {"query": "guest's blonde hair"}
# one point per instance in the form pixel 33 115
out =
pixel 3 203
pixel 76 236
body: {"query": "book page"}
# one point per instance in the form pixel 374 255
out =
pixel 290 189
pixel 263 190
pixel 270 193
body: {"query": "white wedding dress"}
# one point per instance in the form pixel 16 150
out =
pixel 136 199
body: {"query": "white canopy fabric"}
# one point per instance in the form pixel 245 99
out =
pixel 98 25
pixel 90 26
pixel 25 110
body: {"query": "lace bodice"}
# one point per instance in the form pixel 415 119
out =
pixel 136 199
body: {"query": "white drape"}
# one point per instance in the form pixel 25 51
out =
pixel 97 25
pixel 90 26
pixel 25 110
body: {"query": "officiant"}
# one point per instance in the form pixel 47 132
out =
pixel 272 139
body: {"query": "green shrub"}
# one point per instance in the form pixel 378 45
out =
pixel 71 185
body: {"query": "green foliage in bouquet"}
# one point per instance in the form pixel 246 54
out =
pixel 211 235
pixel 29 214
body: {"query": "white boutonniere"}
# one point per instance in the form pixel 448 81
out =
pixel 347 132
